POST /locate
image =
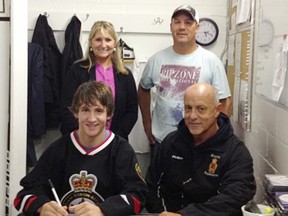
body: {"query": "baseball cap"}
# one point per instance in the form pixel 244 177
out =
pixel 188 9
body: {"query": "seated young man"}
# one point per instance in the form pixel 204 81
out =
pixel 202 168
pixel 94 171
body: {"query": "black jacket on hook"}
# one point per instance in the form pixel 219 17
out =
pixel 72 50
pixel 36 114
pixel 44 36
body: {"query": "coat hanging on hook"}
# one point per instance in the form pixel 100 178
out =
pixel 44 36
pixel 72 50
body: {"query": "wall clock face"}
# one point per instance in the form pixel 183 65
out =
pixel 207 33
pixel 266 33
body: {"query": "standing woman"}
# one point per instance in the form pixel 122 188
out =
pixel 102 62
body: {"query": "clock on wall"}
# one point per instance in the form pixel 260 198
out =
pixel 208 32
pixel 266 33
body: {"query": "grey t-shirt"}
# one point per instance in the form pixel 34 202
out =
pixel 171 74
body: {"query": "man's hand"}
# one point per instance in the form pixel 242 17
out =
pixel 52 208
pixel 169 214
pixel 87 209
pixel 148 131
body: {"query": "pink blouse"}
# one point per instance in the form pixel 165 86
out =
pixel 106 76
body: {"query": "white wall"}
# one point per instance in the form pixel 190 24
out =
pixel 135 17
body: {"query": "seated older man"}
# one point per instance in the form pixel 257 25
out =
pixel 202 168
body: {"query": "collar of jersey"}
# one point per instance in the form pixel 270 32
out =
pixel 92 151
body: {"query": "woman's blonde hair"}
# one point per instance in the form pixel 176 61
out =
pixel 116 56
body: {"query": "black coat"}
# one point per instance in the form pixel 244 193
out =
pixel 72 49
pixel 36 110
pixel 43 35
pixel 126 102
pixel 214 178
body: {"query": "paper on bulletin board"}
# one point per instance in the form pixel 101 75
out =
pixel 243 104
pixel 243 11
pixel 236 98
pixel 233 21
pixel 231 50
pixel 279 75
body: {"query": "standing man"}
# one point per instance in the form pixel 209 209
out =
pixel 172 70
pixel 202 168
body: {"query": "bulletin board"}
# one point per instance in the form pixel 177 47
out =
pixel 241 14
pixel 240 60
pixel 271 70
pixel 239 72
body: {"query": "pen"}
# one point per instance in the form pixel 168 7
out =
pixel 54 192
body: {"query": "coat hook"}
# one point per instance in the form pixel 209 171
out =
pixel 158 20
pixel 86 18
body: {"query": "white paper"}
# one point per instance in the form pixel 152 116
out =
pixel 234 3
pixel 279 75
pixel 236 98
pixel 243 11
pixel 233 21
pixel 231 50
pixel 243 104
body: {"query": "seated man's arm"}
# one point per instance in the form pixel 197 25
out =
pixel 154 201
pixel 237 187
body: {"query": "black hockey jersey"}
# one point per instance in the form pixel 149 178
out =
pixel 108 176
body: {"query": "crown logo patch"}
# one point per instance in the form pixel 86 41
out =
pixel 82 189
pixel 83 182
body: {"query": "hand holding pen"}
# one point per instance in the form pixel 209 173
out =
pixel 54 192
pixel 52 206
